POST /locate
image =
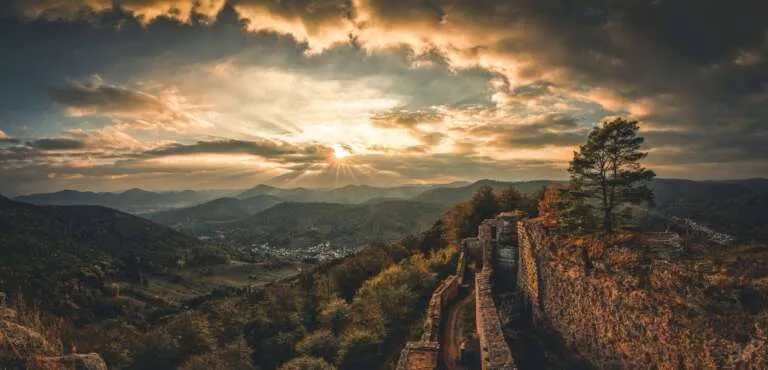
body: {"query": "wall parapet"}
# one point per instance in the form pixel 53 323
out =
pixel 496 234
pixel 445 292
pixel 423 354
pixel 495 353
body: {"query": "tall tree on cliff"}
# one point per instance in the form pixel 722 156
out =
pixel 606 173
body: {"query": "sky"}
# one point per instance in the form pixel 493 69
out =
pixel 105 95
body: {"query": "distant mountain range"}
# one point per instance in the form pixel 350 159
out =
pixel 131 201
pixel 220 214
pixel 138 201
pixel 351 194
pixel 735 207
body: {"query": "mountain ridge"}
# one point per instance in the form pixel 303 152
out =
pixel 133 200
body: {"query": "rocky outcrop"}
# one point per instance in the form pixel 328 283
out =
pixel 90 361
pixel 23 347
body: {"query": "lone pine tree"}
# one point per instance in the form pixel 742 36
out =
pixel 606 173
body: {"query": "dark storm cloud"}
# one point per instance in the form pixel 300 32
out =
pixel 549 130
pixel 97 98
pixel 702 147
pixel 269 149
pixel 57 144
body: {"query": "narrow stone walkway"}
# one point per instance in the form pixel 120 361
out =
pixel 452 332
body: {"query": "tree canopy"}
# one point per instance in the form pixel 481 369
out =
pixel 606 173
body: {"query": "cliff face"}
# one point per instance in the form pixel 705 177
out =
pixel 620 306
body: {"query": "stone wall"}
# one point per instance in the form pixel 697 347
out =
pixel 496 244
pixel 418 356
pixel 646 313
pixel 531 239
pixel 461 266
pixel 444 294
pixel 423 354
pixel 495 353
pixel 505 253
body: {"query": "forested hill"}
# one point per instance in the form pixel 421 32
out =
pixel 736 207
pixel 303 224
pixel 213 212
pixel 53 252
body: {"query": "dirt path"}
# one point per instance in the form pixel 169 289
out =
pixel 451 338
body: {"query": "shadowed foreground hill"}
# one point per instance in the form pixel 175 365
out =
pixel 305 224
pixel 53 252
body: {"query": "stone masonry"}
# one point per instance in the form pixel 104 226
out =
pixel 495 245
pixel 423 354
pixel 664 316
pixel 495 352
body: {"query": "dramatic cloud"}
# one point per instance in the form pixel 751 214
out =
pixel 404 118
pixel 320 23
pixel 549 130
pixel 427 90
pixel 421 124
pixel 268 149
pixel 57 144
pixel 145 10
pixel 98 98
pixel 131 108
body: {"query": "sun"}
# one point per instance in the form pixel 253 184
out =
pixel 340 152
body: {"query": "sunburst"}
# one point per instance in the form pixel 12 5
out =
pixel 340 152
